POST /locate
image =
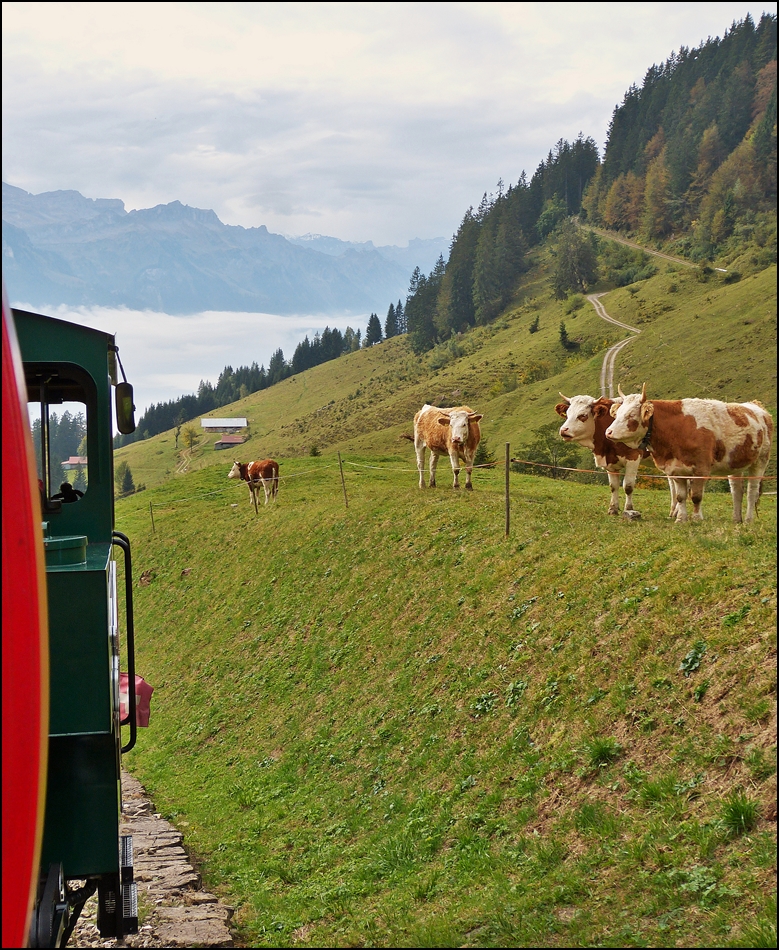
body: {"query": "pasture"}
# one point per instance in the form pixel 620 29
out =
pixel 389 725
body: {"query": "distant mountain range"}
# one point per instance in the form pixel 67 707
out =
pixel 62 248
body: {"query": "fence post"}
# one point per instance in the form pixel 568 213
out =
pixel 151 512
pixel 343 481
pixel 508 507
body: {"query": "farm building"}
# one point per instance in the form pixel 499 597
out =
pixel 228 441
pixel 223 425
pixel 73 463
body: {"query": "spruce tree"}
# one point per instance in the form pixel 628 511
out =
pixel 391 323
pixel 373 332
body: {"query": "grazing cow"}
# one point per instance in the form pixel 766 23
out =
pixel 453 432
pixel 586 421
pixel 265 473
pixel 696 438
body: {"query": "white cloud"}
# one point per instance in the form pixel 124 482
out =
pixel 380 121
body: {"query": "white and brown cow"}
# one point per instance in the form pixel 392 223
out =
pixel 696 438
pixel 264 473
pixel 454 432
pixel 586 421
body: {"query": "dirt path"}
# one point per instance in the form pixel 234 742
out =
pixel 174 911
pixel 610 359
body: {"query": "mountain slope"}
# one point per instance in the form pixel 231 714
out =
pixel 60 247
pixel 706 338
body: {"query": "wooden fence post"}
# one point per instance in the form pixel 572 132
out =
pixel 151 512
pixel 508 507
pixel 343 481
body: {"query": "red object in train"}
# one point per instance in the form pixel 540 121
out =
pixel 25 653
pixel 142 699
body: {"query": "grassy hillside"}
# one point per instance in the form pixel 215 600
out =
pixel 387 724
pixel 700 337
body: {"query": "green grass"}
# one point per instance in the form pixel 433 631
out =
pixel 390 725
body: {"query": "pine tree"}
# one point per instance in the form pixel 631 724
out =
pixel 128 485
pixel 656 220
pixel 391 323
pixel 455 310
pixel 373 332
pixel 400 316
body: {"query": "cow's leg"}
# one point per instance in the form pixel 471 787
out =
pixel 674 501
pixel 614 486
pixel 681 499
pixel 420 450
pixel 433 466
pixel 753 497
pixel 454 458
pixel 697 486
pixel 737 491
pixel 629 483
pixel 468 473
pixel 754 484
pixel 265 489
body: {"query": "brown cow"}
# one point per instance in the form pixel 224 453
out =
pixel 586 421
pixel 265 473
pixel 696 438
pixel 454 432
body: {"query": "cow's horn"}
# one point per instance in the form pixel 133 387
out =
pixel 619 390
pixel 643 393
pixel 565 398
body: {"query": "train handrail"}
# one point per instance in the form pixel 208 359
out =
pixel 122 541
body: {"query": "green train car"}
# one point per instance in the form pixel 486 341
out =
pixel 71 369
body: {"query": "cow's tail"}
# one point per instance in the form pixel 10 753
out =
pixel 405 435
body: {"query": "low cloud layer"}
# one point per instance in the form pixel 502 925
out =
pixel 166 357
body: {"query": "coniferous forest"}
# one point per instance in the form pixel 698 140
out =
pixel 689 166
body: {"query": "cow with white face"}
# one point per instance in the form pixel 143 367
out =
pixel 454 432
pixel 264 473
pixel 697 438
pixel 586 421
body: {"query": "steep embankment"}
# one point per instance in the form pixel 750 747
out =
pixel 387 724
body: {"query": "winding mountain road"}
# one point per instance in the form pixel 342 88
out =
pixel 610 359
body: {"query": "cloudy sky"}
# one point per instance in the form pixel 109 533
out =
pixel 366 121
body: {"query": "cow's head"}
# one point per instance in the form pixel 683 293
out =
pixel 631 418
pixel 458 421
pixel 235 471
pixel 579 415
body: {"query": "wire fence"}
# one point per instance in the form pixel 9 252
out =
pixel 508 464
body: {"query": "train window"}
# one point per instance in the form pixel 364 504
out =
pixel 60 401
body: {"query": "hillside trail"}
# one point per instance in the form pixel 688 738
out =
pixel 610 359
pixel 639 247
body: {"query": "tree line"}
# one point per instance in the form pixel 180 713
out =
pixel 691 154
pixel 489 252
